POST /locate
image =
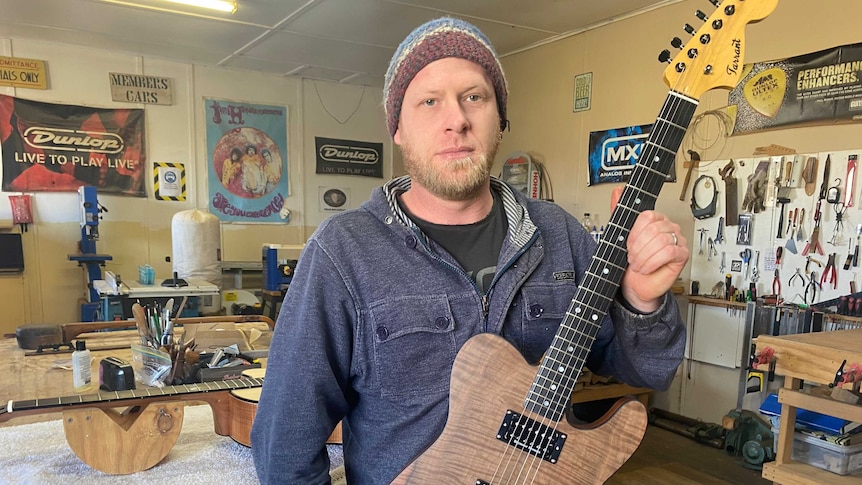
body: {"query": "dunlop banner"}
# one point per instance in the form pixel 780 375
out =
pixel 349 157
pixel 819 88
pixel 59 147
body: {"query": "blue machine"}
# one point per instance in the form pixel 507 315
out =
pixel 276 274
pixel 87 256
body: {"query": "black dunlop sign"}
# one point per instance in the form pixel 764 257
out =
pixel 169 181
pixel 349 157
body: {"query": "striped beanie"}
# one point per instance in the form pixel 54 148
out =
pixel 434 40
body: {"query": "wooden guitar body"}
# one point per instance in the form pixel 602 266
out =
pixel 488 379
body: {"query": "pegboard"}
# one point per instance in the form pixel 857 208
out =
pixel 764 227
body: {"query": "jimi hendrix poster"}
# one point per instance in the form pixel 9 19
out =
pixel 247 160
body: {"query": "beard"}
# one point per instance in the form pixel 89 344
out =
pixel 455 180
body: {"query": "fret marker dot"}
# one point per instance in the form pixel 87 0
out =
pixel 578 310
pixel 561 369
pixel 547 403
pixel 570 349
pixel 620 238
pixel 656 158
pixel 605 271
pixel 595 317
pixel 638 200
pixel 553 387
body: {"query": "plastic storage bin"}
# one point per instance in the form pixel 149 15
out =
pixel 823 454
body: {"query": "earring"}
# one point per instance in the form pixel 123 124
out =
pixel 500 136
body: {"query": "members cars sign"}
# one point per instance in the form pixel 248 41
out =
pixel 135 88
pixel 19 72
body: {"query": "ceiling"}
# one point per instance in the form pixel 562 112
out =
pixel 347 41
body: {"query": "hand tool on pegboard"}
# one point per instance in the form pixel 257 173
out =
pixel 692 164
pixel 731 200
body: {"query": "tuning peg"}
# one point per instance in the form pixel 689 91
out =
pixel 676 42
pixel 702 16
pixel 664 56
pixel 688 28
pixel 715 3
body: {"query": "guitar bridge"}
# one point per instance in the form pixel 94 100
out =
pixel 530 436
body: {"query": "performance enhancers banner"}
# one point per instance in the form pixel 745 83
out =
pixel 247 154
pixel 614 153
pixel 58 147
pixel 818 88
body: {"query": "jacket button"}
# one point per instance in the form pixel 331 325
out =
pixel 382 333
pixel 388 219
pixel 536 310
pixel 410 241
pixel 441 323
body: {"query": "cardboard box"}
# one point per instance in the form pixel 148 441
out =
pixel 251 338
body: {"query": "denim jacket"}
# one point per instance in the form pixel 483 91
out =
pixel 376 313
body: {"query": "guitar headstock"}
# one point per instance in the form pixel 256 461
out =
pixel 713 57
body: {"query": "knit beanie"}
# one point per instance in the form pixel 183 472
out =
pixel 434 40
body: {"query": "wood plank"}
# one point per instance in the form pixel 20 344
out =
pixel 813 357
pixel 823 405
pixel 802 474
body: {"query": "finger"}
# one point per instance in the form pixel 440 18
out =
pixel 615 196
pixel 669 256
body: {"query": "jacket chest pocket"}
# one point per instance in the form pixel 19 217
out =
pixel 414 345
pixel 544 308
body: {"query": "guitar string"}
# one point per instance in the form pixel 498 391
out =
pixel 642 177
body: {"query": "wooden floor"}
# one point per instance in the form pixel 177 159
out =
pixel 668 458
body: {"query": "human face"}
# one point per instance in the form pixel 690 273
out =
pixel 449 128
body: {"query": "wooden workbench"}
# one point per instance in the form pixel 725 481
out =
pixel 813 358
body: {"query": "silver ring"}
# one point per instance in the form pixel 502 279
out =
pixel 675 240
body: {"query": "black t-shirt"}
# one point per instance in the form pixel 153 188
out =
pixel 475 246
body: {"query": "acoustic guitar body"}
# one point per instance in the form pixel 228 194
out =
pixel 243 407
pixel 488 380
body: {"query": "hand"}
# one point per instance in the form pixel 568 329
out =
pixel 655 258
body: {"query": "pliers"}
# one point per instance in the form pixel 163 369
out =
pixel 798 274
pixel 812 287
pixel 776 284
pixel 830 271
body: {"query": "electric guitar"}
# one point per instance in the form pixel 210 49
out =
pixel 495 434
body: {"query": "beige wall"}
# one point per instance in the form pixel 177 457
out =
pixel 628 90
pixel 138 230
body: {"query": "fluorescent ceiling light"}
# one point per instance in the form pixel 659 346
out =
pixel 222 5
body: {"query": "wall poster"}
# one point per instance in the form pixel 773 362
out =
pixel 818 88
pixel 247 160
pixel 49 147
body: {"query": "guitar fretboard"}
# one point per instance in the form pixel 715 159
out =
pixel 117 396
pixel 551 389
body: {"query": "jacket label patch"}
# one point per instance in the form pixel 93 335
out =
pixel 564 275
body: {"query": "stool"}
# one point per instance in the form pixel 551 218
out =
pixel 271 302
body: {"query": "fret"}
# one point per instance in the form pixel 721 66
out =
pixel 609 282
pixel 599 294
pixel 670 123
pixel 69 399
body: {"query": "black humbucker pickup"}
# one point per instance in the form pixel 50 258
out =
pixel 531 436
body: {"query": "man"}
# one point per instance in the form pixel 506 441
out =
pixel 385 296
